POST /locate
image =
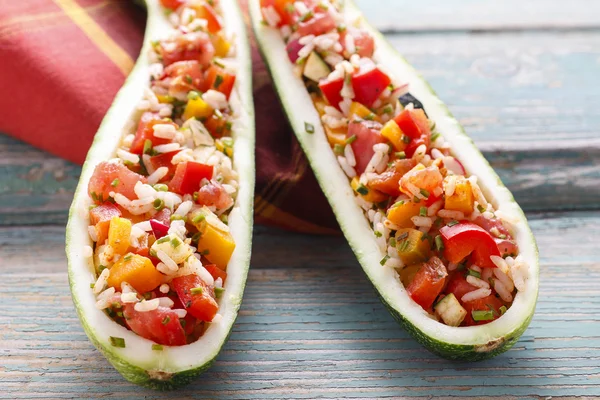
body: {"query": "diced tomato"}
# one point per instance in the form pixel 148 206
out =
pixel 214 194
pixel 285 8
pixel 145 131
pixel 100 217
pixel 466 238
pixel 161 325
pixel 319 24
pixel 292 48
pixel 332 91
pixel 490 303
pixel 415 125
pixel 367 135
pixel 185 76
pixel 188 176
pixel 363 41
pixel 201 305
pixel 218 126
pixel 388 181
pixel 458 285
pixel 428 283
pixel 189 46
pixel 216 272
pixel 162 160
pixel 218 79
pixel 172 4
pixel 205 11
pixel 163 216
pixel 368 84
pixel 113 177
pixel 507 247
pixel 490 223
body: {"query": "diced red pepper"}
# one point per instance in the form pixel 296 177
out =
pixel 332 91
pixel 172 4
pixel 415 125
pixel 218 79
pixel 466 238
pixel 145 131
pixel 363 41
pixel 188 176
pixel 489 303
pixel 196 296
pixel 162 160
pixel 185 76
pixel 368 84
pixel 428 283
pixel 217 126
pixel 216 272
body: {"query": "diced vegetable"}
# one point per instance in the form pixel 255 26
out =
pixel 360 111
pixel 184 76
pixel 412 245
pixel 216 272
pixel 215 242
pixel 172 4
pixel 118 234
pixel 100 217
pixel 188 176
pixel 136 270
pixel 173 247
pixel 426 179
pixel 145 131
pixel 392 132
pixel 370 195
pixel 159 229
pixel 196 107
pixel 221 44
pixel 196 296
pixel 292 48
pixel 407 274
pixel 489 305
pixel 450 310
pixel 336 136
pixel 428 282
pixel 332 91
pixel 161 325
pixel 363 41
pixel 190 46
pixel 367 135
pixel 368 84
pixel 317 25
pixel 315 68
pixel 415 125
pixel 462 199
pixel 458 285
pixel 401 212
pixel 220 80
pixel 103 180
pixel 466 238
pixel 284 8
pixel 162 160
pixel 206 12
pixel 388 181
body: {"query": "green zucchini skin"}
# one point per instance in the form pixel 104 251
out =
pixel 156 370
pixel 466 343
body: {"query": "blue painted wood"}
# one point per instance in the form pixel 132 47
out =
pixel 310 327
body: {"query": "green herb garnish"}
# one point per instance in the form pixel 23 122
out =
pixel 480 315
pixel 384 259
pixel 157 347
pixel 439 243
pixel 423 211
pixel 196 290
pixel 309 128
pixel 158 204
pixel 351 139
pixel 117 341
pixel 474 273
pixel 362 189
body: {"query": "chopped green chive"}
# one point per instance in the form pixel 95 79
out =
pixel 392 242
pixel 218 63
pixel 306 16
pixel 158 204
pixel 166 320
pixel 198 218
pixel 502 310
pixel 148 146
pixel 128 257
pixel 416 200
pixel 176 217
pixel 351 139
pixel 474 273
pixel 189 79
pixel 193 95
pixel 406 139
pixel 388 109
pixel 161 187
pixel 502 236
pixel 175 242
pixel 480 208
pixel 362 189
pixel 398 203
pixel 403 245
pixel 300 61
pixel 309 128
pixel 423 211
pixel 384 259
pixel 152 252
pixel 157 347
pixel 338 149
pixel 378 234
pixel 401 155
pixel 219 292
pixel 435 136
pixel 218 81
pixel 452 223
pixel 163 239
pixel 92 285
pixel 479 315
pixel 196 290
pixel 370 117
pixel 115 182
pixel 425 237
pixel 117 341
pixel 424 193
pixel 341 28
pixel 439 243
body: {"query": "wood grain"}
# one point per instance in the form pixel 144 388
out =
pixel 310 326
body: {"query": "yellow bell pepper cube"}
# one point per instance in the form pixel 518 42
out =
pixel 136 270
pixel 412 246
pixel 370 195
pixel 335 136
pixel 215 241
pixel 462 199
pixel 401 213
pixel 118 234
pixel 165 98
pixel 225 145
pixel 196 107
pixel 221 45
pixel 358 110
pixel 392 132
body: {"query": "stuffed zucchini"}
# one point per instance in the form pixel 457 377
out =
pixel 441 239
pixel 159 232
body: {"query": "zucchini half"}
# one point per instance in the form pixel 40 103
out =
pixel 137 362
pixel 464 343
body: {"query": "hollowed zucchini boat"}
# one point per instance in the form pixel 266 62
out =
pixel 444 243
pixel 159 234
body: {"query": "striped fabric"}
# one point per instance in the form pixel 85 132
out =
pixel 63 61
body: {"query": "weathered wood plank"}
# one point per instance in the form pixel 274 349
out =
pixel 310 326
pixel 457 15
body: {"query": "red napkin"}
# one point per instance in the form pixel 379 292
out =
pixel 63 61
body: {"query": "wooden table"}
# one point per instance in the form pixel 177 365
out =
pixel 524 79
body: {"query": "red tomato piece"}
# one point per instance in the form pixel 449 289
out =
pixel 100 217
pixel 490 223
pixel 414 124
pixel 163 216
pixel 367 135
pixel 201 305
pixel 216 272
pixel 172 4
pixel 285 8
pixel 317 25
pixel 332 91
pixel 363 41
pixel 185 76
pixel 466 238
pixel 218 79
pixel 217 126
pixel 368 84
pixel 145 131
pixel 388 181
pixel 458 285
pixel 162 160
pixel 188 176
pixel 113 177
pixel 428 282
pixel 189 46
pixel 507 247
pixel 487 303
pixel 161 325
pixel 205 11
pixel 214 194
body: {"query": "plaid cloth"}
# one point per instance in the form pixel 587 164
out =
pixel 63 61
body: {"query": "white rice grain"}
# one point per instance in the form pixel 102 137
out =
pixel 101 281
pixel 480 283
pixel 433 209
pixel 165 302
pixel 164 131
pixel 476 294
pixel 167 148
pixel 168 261
pixel 504 278
pixel 157 175
pixel 349 154
pixel 347 168
pixel 449 185
pixel 184 208
pixel 501 289
pixel 130 297
pixel 271 16
pixel 93 233
pixel 164 288
pixel 216 100
pixel 147 305
pixel 422 221
pixel 127 156
pixel 451 214
pixel 181 313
